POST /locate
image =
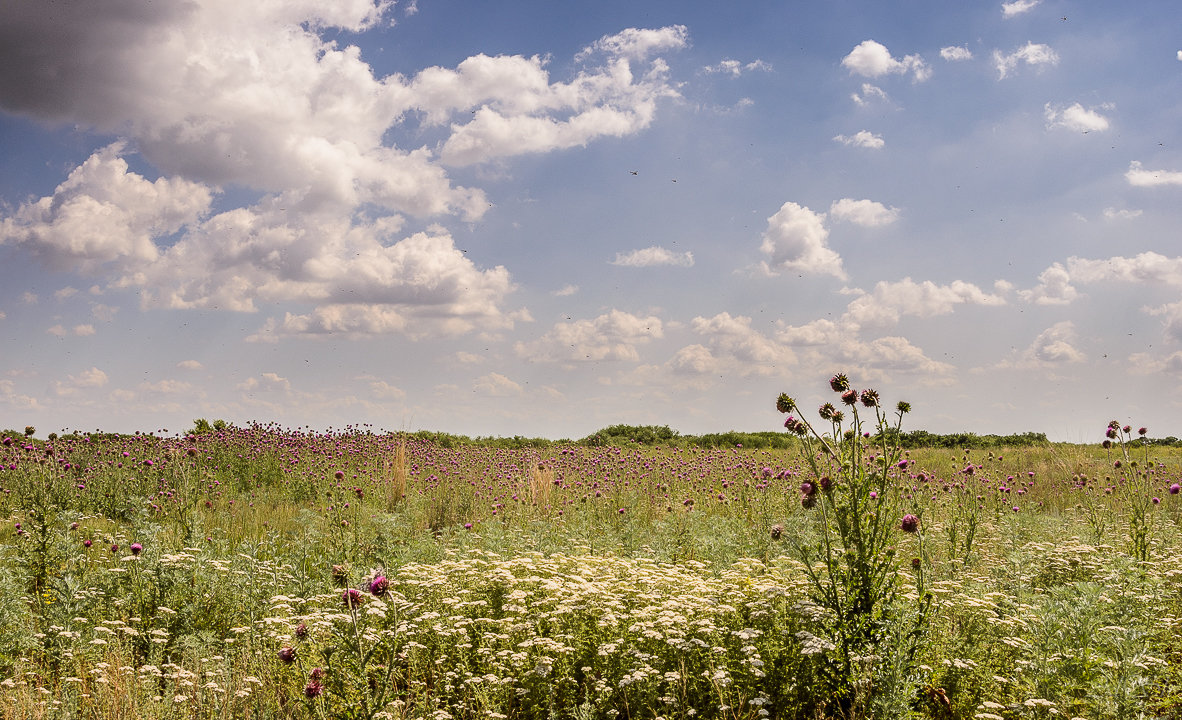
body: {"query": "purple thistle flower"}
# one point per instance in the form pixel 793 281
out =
pixel 136 548
pixel 378 586
pixel 910 523
pixel 352 598
pixel 1175 488
pixel 287 655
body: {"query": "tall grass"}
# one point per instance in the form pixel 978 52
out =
pixel 567 581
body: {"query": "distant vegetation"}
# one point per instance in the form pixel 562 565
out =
pixel 662 435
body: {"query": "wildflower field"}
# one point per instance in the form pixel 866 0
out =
pixel 267 573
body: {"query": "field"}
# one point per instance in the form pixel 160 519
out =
pixel 265 573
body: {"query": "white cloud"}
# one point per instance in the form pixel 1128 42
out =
pixel 267 382
pixel 1054 287
pixel 73 384
pixel 104 213
pixel 1145 267
pixel 56 330
pixel 639 44
pixel 736 68
pixel 1172 323
pixel 612 336
pixel 105 313
pixel 1138 177
pixel 190 365
pixel 815 332
pixel 747 350
pixel 863 138
pixel 880 358
pixel 866 213
pixel 270 97
pixel 496 385
pixel 653 256
pixel 1074 117
pixel 872 59
pixel 869 93
pixel 796 241
pixel 84 330
pixel 892 300
pixel 1030 54
pixel 566 291
pixel 1017 7
pixel 1054 345
pixel 955 53
pixel 518 111
pixel 1122 214
pixel 383 390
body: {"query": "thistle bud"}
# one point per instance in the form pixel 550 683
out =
pixel 839 382
pixel 785 404
pixel 827 411
pixel 910 523
pixel 870 398
pixel 850 397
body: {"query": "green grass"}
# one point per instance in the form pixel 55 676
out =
pixel 634 581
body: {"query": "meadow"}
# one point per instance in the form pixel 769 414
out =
pixel 262 572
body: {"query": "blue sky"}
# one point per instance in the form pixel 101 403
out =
pixel 542 218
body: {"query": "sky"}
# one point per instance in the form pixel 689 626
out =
pixel 542 218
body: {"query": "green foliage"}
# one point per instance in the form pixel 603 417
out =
pixel 872 635
pixel 924 439
pixel 645 580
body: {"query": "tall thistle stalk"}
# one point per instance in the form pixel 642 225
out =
pixel 852 565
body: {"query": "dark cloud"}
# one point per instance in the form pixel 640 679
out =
pixel 70 60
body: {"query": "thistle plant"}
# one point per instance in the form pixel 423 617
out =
pixel 852 565
pixel 1138 501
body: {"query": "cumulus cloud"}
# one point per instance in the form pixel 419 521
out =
pixel 612 336
pixel 862 138
pixel 816 332
pixel 954 53
pixel 1121 214
pixel 733 338
pixel 1144 267
pixel 190 365
pixel 866 213
pixel 652 256
pixel 215 93
pixel 1139 177
pixel 872 59
pixel 884 356
pixel 1017 7
pixel 103 213
pixel 85 380
pixel 1054 287
pixel 382 390
pixel 890 301
pixel 267 382
pixel 869 93
pixel 1029 54
pixel 496 385
pixel 637 44
pixel 1054 346
pixel 736 68
pixel 1074 117
pixel 796 240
